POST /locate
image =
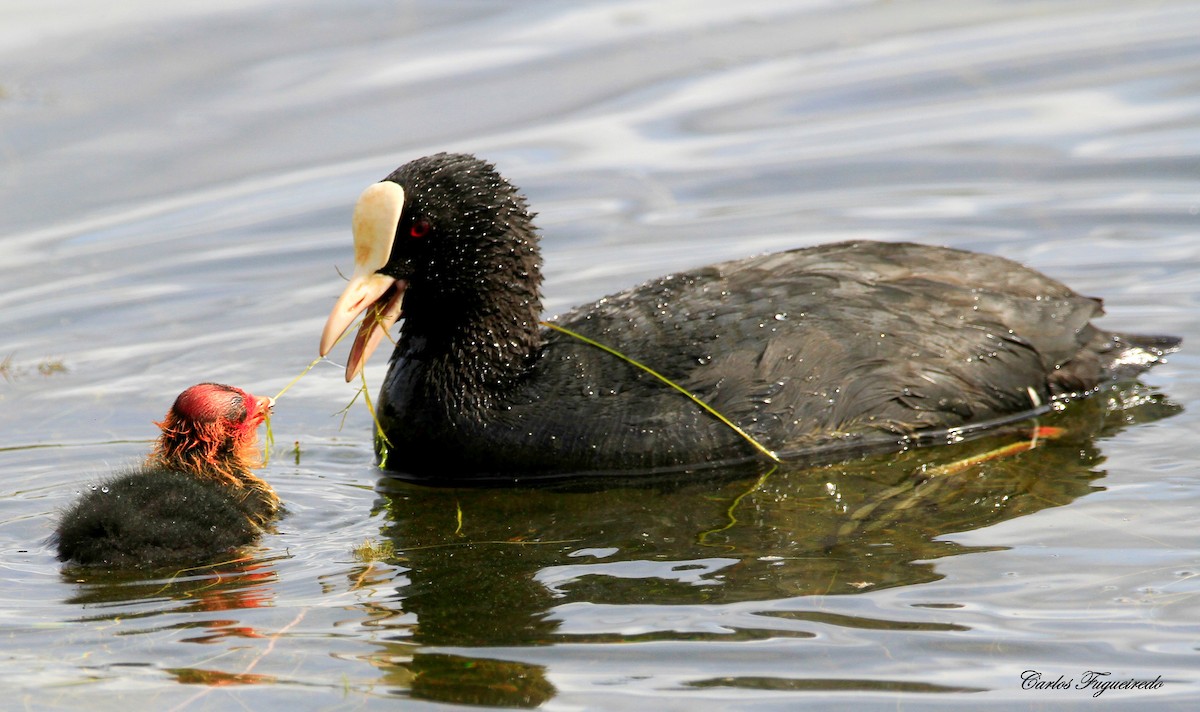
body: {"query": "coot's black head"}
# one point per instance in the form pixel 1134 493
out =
pixel 451 240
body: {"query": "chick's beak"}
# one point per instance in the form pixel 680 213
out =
pixel 376 216
pixel 262 406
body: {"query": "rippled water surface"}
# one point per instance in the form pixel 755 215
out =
pixel 176 181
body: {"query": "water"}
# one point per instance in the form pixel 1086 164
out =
pixel 176 184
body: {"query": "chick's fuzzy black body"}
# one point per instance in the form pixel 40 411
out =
pixel 194 501
pixel 821 348
pixel 155 517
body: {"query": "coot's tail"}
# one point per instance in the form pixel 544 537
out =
pixel 1109 357
pixel 1126 355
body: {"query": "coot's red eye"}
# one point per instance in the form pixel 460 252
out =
pixel 420 228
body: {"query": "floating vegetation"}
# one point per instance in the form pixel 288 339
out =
pixel 10 370
pixel 49 367
pixel 368 551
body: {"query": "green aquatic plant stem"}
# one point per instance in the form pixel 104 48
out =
pixel 302 374
pixel 709 409
pixel 381 437
pixel 270 438
pixel 729 512
pixel 591 342
pixel 269 441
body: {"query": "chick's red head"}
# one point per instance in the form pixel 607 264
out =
pixel 212 431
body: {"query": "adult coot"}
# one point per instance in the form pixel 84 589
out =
pixel 194 499
pixel 815 351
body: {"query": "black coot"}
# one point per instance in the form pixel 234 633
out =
pixel 816 351
pixel 193 500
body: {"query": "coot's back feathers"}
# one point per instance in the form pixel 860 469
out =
pixel 805 350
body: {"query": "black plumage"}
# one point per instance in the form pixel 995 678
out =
pixel 155 517
pixel 818 350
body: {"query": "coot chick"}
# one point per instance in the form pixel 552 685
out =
pixel 194 499
pixel 816 351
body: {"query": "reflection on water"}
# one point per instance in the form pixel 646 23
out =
pixel 210 588
pixel 490 567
